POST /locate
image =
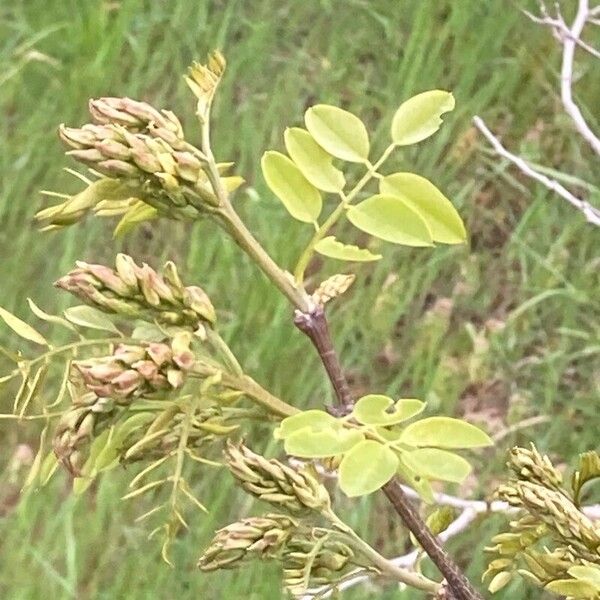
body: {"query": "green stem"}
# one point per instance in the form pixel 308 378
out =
pixel 386 567
pixel 322 231
pixel 224 350
pixel 230 220
pixel 264 398
pixel 251 388
pixel 248 243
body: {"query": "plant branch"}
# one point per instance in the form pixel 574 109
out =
pixel 570 38
pixel 386 566
pixel 231 222
pixel 591 213
pixel 311 320
pixel 459 584
pixel 314 325
pixel 261 396
pixel 470 511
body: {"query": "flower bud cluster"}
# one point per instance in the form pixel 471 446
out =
pixel 111 383
pixel 139 292
pixel 138 370
pixel 242 541
pixel 297 491
pixel 159 156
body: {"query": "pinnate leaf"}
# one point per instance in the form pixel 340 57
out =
pixel 21 328
pixel 419 193
pixel 375 409
pixel 444 432
pixel 314 162
pixel 301 198
pixel 391 219
pixel 332 248
pixel 434 463
pixel 338 131
pixel 366 467
pixel 419 117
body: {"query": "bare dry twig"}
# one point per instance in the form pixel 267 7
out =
pixel 591 213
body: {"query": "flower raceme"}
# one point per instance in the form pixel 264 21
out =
pixel 138 370
pixel 137 291
pixel 103 387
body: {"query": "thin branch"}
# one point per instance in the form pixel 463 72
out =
pixel 591 213
pixel 314 325
pixel 570 38
pixel 457 581
pixel 511 429
pixel 566 76
pixel 560 29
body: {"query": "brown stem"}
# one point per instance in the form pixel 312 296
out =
pixel 458 583
pixel 314 325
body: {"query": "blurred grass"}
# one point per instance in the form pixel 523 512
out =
pixel 505 329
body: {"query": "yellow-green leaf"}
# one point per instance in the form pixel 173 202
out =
pixel 444 432
pixel 314 418
pixel 419 193
pixel 433 463
pixel 366 467
pixel 375 409
pixel 338 131
pixel 86 316
pixel 301 198
pixel 332 248
pixel 314 162
pixel 419 117
pixel 21 328
pixel 322 443
pixel 391 219
pixel 418 483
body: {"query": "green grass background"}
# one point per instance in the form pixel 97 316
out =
pixel 503 329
